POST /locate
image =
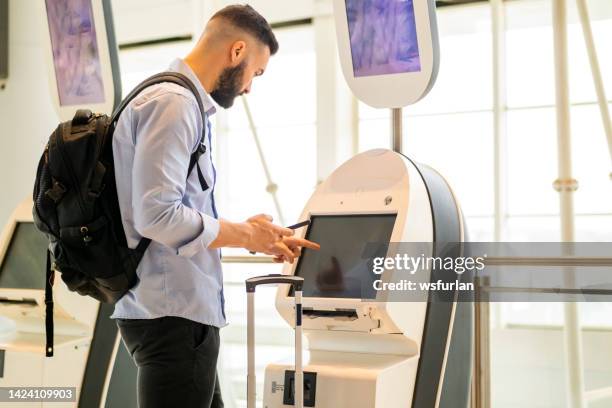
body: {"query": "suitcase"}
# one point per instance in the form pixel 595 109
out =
pixel 297 283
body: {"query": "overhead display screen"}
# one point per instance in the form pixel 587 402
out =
pixel 342 268
pixel 75 52
pixel 25 261
pixel 383 37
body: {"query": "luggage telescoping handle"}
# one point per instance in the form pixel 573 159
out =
pixel 297 283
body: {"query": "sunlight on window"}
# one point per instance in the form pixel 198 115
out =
pixel 450 130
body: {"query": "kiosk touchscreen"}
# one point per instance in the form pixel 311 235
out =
pixel 341 268
pixel 388 49
pixel 23 266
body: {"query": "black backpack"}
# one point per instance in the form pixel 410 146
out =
pixel 76 206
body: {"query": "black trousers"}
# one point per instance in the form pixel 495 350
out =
pixel 176 360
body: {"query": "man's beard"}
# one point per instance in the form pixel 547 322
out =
pixel 228 85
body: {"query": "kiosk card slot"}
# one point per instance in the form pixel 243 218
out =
pixel 23 301
pixel 350 314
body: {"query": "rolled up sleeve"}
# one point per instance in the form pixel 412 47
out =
pixel 166 134
pixel 210 230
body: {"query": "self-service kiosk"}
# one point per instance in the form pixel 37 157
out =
pixel 366 349
pixel 22 313
pixel 88 353
pixel 369 348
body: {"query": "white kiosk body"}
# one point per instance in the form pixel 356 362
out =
pixel 366 349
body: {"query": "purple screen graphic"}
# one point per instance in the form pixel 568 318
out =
pixel 383 37
pixel 75 52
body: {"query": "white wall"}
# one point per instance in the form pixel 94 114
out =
pixel 27 117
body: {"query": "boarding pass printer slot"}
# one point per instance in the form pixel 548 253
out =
pixel 348 314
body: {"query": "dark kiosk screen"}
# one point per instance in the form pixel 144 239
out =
pixel 25 261
pixel 342 268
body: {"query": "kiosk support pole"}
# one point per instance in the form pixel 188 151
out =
pixel 566 186
pixel 396 129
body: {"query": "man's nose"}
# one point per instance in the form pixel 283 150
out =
pixel 248 87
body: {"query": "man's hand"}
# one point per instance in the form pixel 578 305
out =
pixel 295 245
pixel 274 240
pixel 265 236
pixel 259 234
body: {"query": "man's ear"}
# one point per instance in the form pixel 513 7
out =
pixel 238 51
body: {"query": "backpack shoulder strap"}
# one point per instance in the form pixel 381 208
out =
pixel 174 77
pixel 179 79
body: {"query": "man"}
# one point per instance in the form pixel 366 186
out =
pixel 170 320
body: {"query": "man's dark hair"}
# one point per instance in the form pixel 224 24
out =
pixel 245 17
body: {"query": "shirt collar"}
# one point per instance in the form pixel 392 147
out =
pixel 178 65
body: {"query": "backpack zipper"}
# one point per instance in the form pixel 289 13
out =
pixel 100 141
pixel 60 147
pixel 43 162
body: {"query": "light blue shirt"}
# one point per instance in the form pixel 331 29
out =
pixel 154 139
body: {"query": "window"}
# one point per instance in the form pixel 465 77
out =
pixel 532 138
pixel 139 63
pixel 283 106
pixel 451 129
